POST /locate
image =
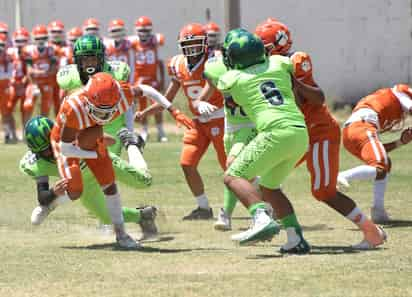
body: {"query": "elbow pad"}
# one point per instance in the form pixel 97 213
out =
pixel 70 150
pixel 150 92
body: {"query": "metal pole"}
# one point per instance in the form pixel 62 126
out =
pixel 18 14
pixel 232 14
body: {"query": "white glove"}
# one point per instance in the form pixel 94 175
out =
pixel 205 108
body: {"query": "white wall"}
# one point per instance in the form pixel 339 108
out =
pixel 356 45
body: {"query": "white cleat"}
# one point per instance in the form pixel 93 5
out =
pixel 224 222
pixel 39 214
pixel 379 216
pixel 343 182
pixel 127 242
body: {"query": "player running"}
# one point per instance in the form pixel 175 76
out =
pixel 262 86
pixel 6 68
pixel 373 115
pixel 322 157
pixel 39 163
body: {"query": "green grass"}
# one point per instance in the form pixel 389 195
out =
pixel 68 256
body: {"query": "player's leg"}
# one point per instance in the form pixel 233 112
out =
pixel 102 169
pixel 161 135
pixel 323 165
pixel 56 97
pixel 195 144
pixel 46 90
pixel 362 141
pixel 6 116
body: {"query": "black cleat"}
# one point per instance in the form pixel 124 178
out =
pixel 130 138
pixel 199 214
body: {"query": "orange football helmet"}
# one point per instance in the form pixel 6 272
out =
pixel 275 36
pixel 213 34
pixel 21 37
pixel 116 29
pixel 192 40
pixel 103 95
pixel 40 35
pixel 56 31
pixel 91 26
pixel 144 27
pixel 4 29
pixel 73 34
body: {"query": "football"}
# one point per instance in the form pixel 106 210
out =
pixel 87 138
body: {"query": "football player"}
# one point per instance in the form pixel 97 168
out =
pixel 262 86
pixel 67 51
pixel 119 48
pixel 97 103
pixel 148 68
pixel 91 26
pixel 19 82
pixel 373 115
pixel 39 163
pixel 186 71
pixel 6 68
pixel 41 61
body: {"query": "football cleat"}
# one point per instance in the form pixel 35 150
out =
pixel 199 214
pixel 296 243
pixel 39 214
pixel 147 222
pixel 263 228
pixel 162 138
pixel 125 241
pixel 224 221
pixel 130 138
pixel 379 216
pixel 374 237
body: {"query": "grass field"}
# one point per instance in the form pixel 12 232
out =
pixel 68 256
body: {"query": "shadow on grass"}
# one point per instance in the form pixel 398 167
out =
pixel 397 224
pixel 317 227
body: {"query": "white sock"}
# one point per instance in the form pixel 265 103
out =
pixel 356 216
pixel 362 172
pixel 202 201
pixel 59 201
pixel 292 236
pixel 114 206
pixel 379 188
pixel 135 157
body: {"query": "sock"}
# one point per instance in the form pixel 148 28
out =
pixel 357 217
pixel 290 221
pixel 252 209
pixel 59 201
pixel 160 130
pixel 114 207
pixel 131 215
pixel 202 201
pixel 135 157
pixel 362 172
pixel 379 188
pixel 229 201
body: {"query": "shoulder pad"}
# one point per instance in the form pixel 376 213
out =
pixel 68 77
pixel 118 69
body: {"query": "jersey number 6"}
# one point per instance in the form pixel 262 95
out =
pixel 271 93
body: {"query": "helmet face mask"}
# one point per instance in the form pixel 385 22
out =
pixel 213 39
pixel 117 34
pixel 101 115
pixel 194 46
pixel 40 41
pixel 56 36
pixel 144 33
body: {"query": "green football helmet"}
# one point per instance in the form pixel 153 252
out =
pixel 85 47
pixel 37 133
pixel 242 49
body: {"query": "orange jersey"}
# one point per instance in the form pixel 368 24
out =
pixel 318 118
pixel 73 111
pixel 66 55
pixel 19 67
pixel 45 60
pixel 192 81
pixel 146 58
pixel 122 52
pixel 5 67
pixel 387 105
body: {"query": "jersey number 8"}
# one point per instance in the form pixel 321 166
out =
pixel 271 93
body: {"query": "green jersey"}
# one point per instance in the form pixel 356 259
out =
pixel 264 91
pixel 68 79
pixel 68 76
pixel 37 167
pixel 214 69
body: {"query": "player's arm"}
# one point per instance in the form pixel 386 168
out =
pixel 46 194
pixel 170 95
pixel 69 149
pixel 406 137
pixel 312 94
